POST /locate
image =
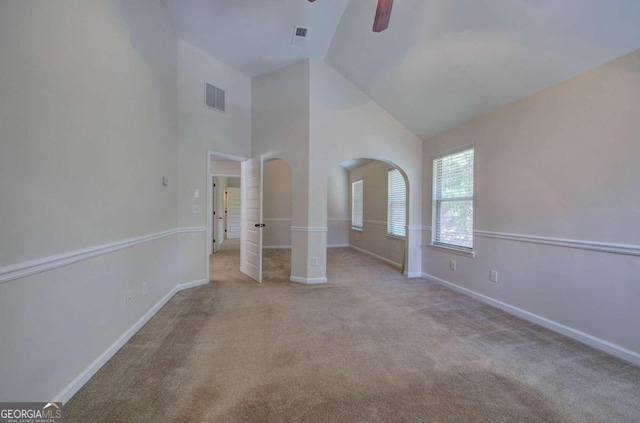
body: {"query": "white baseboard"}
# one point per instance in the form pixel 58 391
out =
pixel 413 274
pixel 308 281
pixel 76 384
pixel 193 284
pixel 579 336
pixel 337 245
pixel 392 263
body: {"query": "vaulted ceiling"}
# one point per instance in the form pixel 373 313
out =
pixel 439 64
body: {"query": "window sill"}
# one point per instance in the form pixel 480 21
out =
pixel 356 229
pixel 453 250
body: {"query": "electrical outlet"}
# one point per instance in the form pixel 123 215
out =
pixel 145 289
pixel 453 265
pixel 128 297
pixel 195 208
pixel 493 276
pixel 314 261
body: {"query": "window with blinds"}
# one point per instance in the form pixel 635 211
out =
pixel 357 201
pixel 397 204
pixel 453 200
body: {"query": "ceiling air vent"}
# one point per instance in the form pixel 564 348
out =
pixel 214 97
pixel 299 36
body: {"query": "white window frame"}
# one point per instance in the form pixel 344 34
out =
pixel 394 175
pixel 354 207
pixel 437 204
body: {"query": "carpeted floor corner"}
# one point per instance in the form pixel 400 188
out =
pixel 370 346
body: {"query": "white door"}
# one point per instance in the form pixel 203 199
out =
pixel 233 213
pixel 251 219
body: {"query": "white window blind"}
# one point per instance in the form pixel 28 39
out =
pixel 397 204
pixel 453 199
pixel 357 201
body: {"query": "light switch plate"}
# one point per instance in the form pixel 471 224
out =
pixel 196 194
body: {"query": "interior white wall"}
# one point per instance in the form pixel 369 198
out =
pixel 338 208
pixel 373 238
pixel 560 164
pixel 346 124
pixel 89 128
pixel 277 203
pixel 203 129
pixel 280 129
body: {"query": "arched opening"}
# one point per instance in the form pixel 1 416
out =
pixel 277 188
pixel 367 211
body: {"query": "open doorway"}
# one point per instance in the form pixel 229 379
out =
pixel 223 213
pixel 225 230
pixel 367 205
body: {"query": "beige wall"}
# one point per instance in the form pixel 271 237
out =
pixel 277 203
pixel 373 238
pixel 225 167
pixel 89 126
pixel 338 208
pixel 562 164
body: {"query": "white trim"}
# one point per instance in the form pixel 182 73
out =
pixel 191 229
pixel 79 381
pixel 391 262
pixel 580 336
pixel 339 219
pixel 308 229
pixel 276 219
pixel 308 281
pixel 193 284
pixel 33 267
pixel 225 156
pixel 603 247
pixel 413 228
pixel 337 245
pixel 452 250
pixel 411 275
pixel 276 247
pixel 426 228
pixel 227 175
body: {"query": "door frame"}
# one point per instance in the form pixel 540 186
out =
pixel 209 238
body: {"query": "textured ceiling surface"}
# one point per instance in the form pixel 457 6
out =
pixel 439 64
pixel 254 36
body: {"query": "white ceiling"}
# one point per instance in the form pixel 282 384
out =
pixel 443 62
pixel 439 64
pixel 254 36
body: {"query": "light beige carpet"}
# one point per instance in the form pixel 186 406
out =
pixel 371 346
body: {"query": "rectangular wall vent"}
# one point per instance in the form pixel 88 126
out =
pixel 299 36
pixel 214 97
